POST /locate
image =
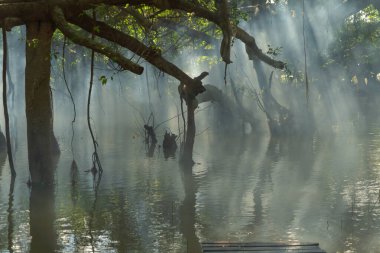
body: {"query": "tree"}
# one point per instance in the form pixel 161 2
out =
pixel 42 18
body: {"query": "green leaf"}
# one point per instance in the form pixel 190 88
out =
pixel 103 80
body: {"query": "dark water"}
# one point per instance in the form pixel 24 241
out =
pixel 242 189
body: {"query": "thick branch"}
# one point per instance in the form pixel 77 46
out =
pixel 153 56
pixel 224 22
pixel 254 51
pixel 39 10
pixel 9 22
pixel 77 38
pixel 27 11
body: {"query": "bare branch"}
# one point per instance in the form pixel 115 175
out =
pixel 60 21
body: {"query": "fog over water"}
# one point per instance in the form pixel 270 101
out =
pixel 246 185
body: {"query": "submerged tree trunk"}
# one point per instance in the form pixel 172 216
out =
pixel 279 118
pixel 189 93
pixel 42 144
pixel 229 106
pixel 187 156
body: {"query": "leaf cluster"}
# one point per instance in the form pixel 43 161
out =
pixel 358 41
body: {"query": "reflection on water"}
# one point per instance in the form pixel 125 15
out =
pixel 242 189
pixel 42 230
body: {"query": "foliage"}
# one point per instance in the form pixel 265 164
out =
pixel 358 42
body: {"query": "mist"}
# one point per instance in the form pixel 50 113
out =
pixel 292 159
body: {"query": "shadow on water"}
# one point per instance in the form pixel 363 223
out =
pixel 187 211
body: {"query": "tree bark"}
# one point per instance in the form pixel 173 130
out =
pixel 42 144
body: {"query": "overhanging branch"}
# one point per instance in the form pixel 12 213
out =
pixel 174 26
pixel 152 55
pixel 187 6
pixel 60 21
pixel 254 51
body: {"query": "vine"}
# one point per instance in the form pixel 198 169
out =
pixel 5 103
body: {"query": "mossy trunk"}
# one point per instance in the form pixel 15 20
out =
pixel 42 145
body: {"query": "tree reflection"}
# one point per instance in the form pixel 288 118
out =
pixel 74 174
pixel 10 215
pixel 187 211
pixel 42 216
pixel 96 182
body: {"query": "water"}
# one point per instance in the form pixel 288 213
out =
pixel 242 188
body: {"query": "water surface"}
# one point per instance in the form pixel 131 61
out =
pixel 243 188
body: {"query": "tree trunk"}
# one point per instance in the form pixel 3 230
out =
pixel 187 156
pixel 189 93
pixel 279 118
pixel 42 144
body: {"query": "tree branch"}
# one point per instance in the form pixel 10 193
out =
pixel 174 26
pixel 186 6
pixel 254 51
pixel 39 10
pixel 224 23
pixel 60 21
pixel 153 56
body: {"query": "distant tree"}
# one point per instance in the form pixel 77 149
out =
pixel 356 48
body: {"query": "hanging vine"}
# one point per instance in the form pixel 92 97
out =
pixel 74 166
pixel 304 51
pixel 5 104
pixel 95 157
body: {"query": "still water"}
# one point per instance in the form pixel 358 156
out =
pixel 243 188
